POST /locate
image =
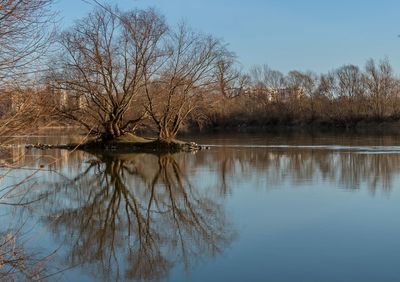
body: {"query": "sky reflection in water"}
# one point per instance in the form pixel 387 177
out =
pixel 266 212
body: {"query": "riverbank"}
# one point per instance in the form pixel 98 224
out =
pixel 367 126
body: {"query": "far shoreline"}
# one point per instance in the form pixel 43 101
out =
pixel 364 126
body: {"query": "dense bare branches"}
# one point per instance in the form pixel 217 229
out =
pixel 230 82
pixel 122 66
pixel 341 98
pixel 26 29
pixel 264 76
pixel 24 35
pixel 380 85
pixel 349 81
pixel 173 92
pixel 106 56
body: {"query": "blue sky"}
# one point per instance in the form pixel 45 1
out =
pixel 317 35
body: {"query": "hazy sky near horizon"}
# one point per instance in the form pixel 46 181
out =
pixel 317 35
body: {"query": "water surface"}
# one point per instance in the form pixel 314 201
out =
pixel 254 207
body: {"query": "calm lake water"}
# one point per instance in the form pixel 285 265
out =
pixel 293 207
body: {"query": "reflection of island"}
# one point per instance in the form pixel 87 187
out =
pixel 138 213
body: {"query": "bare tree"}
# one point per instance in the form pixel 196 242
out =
pixel 326 86
pixel 349 94
pixel 24 35
pixel 273 78
pixel 267 77
pixel 26 30
pixel 380 84
pixel 230 81
pixel 304 81
pixel 304 84
pixel 173 92
pixel 106 57
pixel 349 81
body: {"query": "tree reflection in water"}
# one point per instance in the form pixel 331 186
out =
pixel 136 216
pixel 348 169
pixel 136 212
pixel 19 261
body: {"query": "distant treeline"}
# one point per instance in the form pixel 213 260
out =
pixel 347 97
pixel 344 98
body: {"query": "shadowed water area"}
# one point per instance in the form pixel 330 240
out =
pixel 265 207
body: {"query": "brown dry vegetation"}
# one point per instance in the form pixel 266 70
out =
pixel 346 97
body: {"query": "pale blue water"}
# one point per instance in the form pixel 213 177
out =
pixel 253 207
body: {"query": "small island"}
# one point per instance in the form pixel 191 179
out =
pixel 127 143
pixel 123 72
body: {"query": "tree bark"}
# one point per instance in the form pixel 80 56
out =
pixel 112 130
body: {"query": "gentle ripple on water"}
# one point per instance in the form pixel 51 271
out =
pixel 272 208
